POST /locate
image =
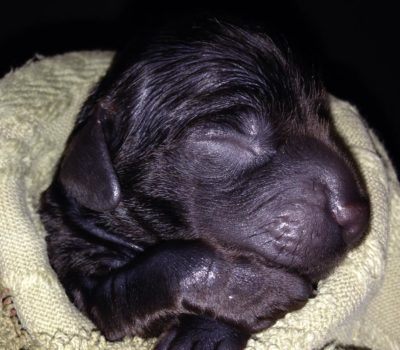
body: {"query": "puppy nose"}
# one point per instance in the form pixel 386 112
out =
pixel 353 218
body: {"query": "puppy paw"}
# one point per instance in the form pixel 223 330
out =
pixel 248 294
pixel 201 333
pixel 289 293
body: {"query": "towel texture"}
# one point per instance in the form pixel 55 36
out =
pixel 358 304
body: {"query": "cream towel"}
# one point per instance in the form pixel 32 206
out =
pixel 358 304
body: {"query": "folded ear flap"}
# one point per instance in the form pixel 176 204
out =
pixel 86 171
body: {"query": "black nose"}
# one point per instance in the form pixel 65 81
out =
pixel 353 218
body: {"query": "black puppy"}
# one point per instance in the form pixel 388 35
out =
pixel 203 192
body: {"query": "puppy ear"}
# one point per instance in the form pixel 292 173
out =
pixel 86 171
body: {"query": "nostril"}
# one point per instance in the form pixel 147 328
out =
pixel 353 218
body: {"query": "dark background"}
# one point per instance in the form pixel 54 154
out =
pixel 353 44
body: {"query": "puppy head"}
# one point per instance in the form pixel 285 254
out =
pixel 217 136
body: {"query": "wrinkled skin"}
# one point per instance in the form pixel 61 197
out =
pixel 203 192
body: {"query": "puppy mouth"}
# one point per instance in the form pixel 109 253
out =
pixel 309 241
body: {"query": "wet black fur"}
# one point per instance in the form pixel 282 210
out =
pixel 199 192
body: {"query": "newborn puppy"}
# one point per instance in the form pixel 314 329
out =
pixel 202 193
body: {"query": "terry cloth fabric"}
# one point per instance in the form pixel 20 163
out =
pixel 358 304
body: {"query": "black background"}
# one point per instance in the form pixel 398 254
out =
pixel 353 44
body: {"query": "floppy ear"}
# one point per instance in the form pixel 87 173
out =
pixel 86 171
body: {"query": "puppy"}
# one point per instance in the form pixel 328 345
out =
pixel 203 192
